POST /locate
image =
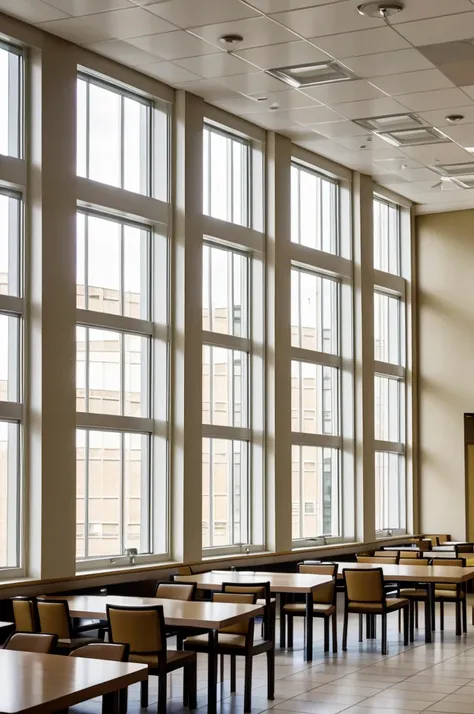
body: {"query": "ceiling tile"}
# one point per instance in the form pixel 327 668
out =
pixel 423 9
pixel 386 63
pixel 289 99
pixel 169 72
pixel 173 45
pixel 117 24
pixel 121 51
pixel 327 19
pixel 443 153
pixel 256 32
pixel 406 175
pixel 31 10
pixel 274 121
pixel 469 90
pixel 440 29
pixel 338 92
pixel 239 105
pixel 314 115
pixel 436 99
pixel 209 89
pixel 372 144
pixel 254 83
pixel 353 44
pixel 406 82
pixel 189 13
pixel 463 135
pixel 283 55
pixel 437 117
pixel 460 73
pixel 337 129
pixel 271 6
pixel 76 8
pixel 370 108
pixel 220 64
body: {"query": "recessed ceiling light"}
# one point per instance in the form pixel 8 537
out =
pixel 231 42
pixel 414 137
pixel 465 168
pixel 390 122
pixel 470 149
pixel 307 75
pixel 454 118
pixel 380 8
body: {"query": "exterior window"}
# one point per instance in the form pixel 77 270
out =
pixel 388 412
pixel 387 237
pixel 390 512
pixel 314 394
pixel 11 373
pixel 314 311
pixel 315 489
pixel 314 210
pixel 387 328
pixel 113 477
pixel 225 387
pixel 113 136
pixel 11 101
pixel 225 483
pixel 225 291
pixel 226 180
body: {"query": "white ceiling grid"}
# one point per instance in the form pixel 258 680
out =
pixel 423 63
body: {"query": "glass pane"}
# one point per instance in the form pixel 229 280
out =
pixel 9 358
pixel 136 492
pixel 314 398
pixel 314 202
pixel 386 237
pixel 9 494
pixel 225 280
pixel 80 492
pixel 136 146
pixel 10 102
pixel 104 371
pixel 136 360
pixel 388 413
pixel 103 265
pixel 136 269
pixel 10 227
pixel 224 386
pixel 226 177
pixel 390 510
pixel 315 492
pixel 104 493
pixel 225 493
pixel 314 312
pixel 104 136
pixel 387 328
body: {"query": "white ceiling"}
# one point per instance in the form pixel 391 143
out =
pixel 177 41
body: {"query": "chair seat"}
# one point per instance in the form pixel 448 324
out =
pixel 262 602
pixel 448 594
pixel 375 608
pixel 299 608
pixel 413 593
pixel 174 659
pixel 201 641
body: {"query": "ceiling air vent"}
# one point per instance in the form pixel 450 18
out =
pixel 390 122
pixel 465 169
pixel 308 75
pixel 414 137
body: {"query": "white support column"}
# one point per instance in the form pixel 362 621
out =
pixel 51 343
pixel 278 350
pixel 186 369
pixel 364 356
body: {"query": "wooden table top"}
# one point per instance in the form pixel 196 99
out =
pixel 177 613
pixel 410 573
pixel 429 553
pixel 279 582
pixel 33 683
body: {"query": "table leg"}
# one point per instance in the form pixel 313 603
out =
pixel 110 703
pixel 458 611
pixel 428 612
pixel 464 608
pixel 212 673
pixel 282 620
pixel 309 627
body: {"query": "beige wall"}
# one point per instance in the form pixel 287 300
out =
pixel 446 365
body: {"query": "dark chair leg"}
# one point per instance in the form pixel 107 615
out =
pixel 289 619
pixel 334 633
pixel 144 694
pixel 271 674
pixel 162 693
pixel 406 619
pixel 123 701
pixel 233 677
pixel 179 642
pixel 384 633
pixel 368 627
pixel 326 634
pixel 191 676
pixel 344 631
pixel 441 615
pixel 282 621
pixel 416 614
pixel 464 613
pixel 361 628
pixel 412 620
pixel 222 668
pixel 248 684
pixel 433 612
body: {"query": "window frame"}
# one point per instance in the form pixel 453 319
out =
pixel 19 136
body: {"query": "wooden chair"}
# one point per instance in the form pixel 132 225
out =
pixel 264 598
pixel 31 642
pixel 324 603
pixel 238 641
pixel 389 560
pixel 143 629
pixel 446 592
pixel 385 554
pixel 54 618
pixel 409 555
pixel 413 593
pixel 25 613
pixel 108 651
pixel 365 595
pixel 176 591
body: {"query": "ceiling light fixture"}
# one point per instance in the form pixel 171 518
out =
pixel 454 118
pixel 307 75
pixel 231 42
pixel 380 8
pixel 390 122
pixel 414 137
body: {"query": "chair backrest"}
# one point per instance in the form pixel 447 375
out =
pixel 25 613
pixel 466 548
pixel 380 561
pixel 456 562
pixel 32 642
pixel 176 591
pixel 325 594
pixel 385 554
pixel 245 627
pixel 260 590
pixel 102 650
pixel 434 540
pixel 414 561
pixel 54 617
pixel 142 628
pixel 364 586
pixel 406 554
pixel 184 570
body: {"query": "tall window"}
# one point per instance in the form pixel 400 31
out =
pixel 314 210
pixel 11 383
pixel 11 100
pixel 315 399
pixel 390 360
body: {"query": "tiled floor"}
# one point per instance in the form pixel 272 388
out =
pixel 420 678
